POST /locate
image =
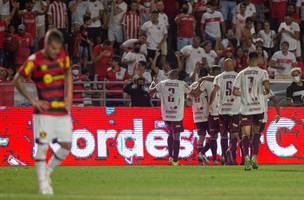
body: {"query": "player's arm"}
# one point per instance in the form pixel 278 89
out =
pixel 154 65
pixel 266 85
pixel 152 89
pixel 215 89
pixel 19 83
pixel 69 89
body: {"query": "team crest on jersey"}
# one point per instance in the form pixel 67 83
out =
pixel 42 134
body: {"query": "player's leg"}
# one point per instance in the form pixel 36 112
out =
pixel 170 141
pixel 202 127
pixel 43 136
pixel 258 128
pixel 63 130
pixel 177 128
pixel 213 131
pixel 246 131
pixel 224 126
pixel 234 130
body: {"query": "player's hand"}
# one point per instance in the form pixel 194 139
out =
pixel 153 84
pixel 210 109
pixel 68 104
pixel 277 118
pixel 41 105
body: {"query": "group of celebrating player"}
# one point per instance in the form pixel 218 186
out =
pixel 227 102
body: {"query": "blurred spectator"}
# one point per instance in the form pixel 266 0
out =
pixel 141 71
pixel 250 10
pixel 133 57
pixel 260 10
pixel 262 57
pixel 227 53
pixel 95 9
pixel 241 59
pixel 156 33
pixel 295 92
pixel 283 61
pixel 58 16
pixel 40 6
pixel 289 31
pixel 5 8
pixel 10 46
pixel 192 54
pixel 102 56
pixel 239 20
pixel 3 75
pixel 228 9
pixel 247 34
pixel 210 54
pixel 278 10
pixel 128 45
pixel 159 74
pixel 24 44
pixel 230 40
pixel 28 17
pixel 185 27
pixel 139 95
pixel 144 11
pixel 4 21
pixel 131 22
pixel 115 32
pixel 115 73
pixel 82 44
pixel 300 11
pixel 269 38
pixel 212 23
pixel 200 70
pixel 291 10
pixel 79 9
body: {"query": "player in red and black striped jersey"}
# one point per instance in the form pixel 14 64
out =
pixel 50 70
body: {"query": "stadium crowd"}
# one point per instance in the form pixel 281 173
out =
pixel 139 41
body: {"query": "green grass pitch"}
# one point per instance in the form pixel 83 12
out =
pixel 158 182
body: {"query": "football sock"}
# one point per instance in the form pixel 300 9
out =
pixel 224 145
pixel 213 146
pixel 256 144
pixel 233 144
pixel 200 147
pixel 170 145
pixel 176 150
pixel 40 158
pixel 207 146
pixel 245 144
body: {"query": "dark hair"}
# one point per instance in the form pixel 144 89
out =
pixel 249 19
pixel 117 59
pixel 142 63
pixel 253 55
pixel 54 35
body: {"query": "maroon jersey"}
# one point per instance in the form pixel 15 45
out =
pixel 49 77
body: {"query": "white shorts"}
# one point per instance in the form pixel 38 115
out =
pixel 47 128
pixel 115 34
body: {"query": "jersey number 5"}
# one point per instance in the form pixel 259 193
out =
pixel 228 88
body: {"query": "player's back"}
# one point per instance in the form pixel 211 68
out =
pixel 228 103
pixel 199 105
pixel 172 94
pixel 250 82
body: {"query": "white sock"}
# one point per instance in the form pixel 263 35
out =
pixel 41 170
pixel 59 156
